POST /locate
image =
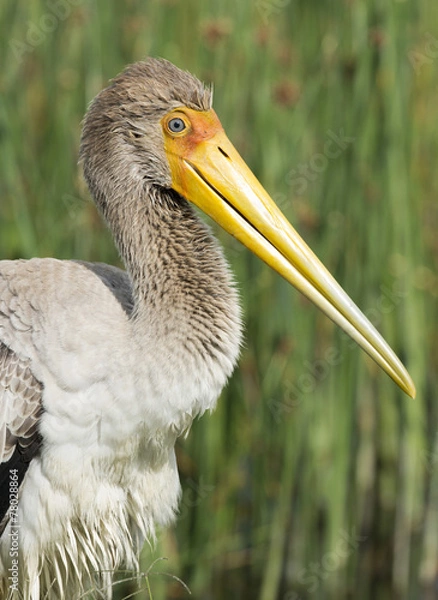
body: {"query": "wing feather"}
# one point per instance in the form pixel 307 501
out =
pixel 20 412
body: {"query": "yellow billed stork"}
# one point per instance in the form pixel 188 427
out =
pixel 102 369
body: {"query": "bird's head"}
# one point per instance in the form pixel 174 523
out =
pixel 154 126
pixel 126 125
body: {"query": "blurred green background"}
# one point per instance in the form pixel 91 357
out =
pixel 316 477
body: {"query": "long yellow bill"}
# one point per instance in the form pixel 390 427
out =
pixel 207 170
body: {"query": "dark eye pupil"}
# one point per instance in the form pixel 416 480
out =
pixel 176 125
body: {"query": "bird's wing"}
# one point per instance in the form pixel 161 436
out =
pixel 52 313
pixel 20 411
pixel 115 280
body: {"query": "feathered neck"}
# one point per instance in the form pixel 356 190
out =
pixel 185 303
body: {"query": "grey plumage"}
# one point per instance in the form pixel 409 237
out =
pixel 159 340
pixel 20 410
pixel 20 403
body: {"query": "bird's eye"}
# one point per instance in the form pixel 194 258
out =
pixel 176 125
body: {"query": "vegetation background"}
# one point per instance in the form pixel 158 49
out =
pixel 316 477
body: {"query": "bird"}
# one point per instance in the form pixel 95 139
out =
pixel 101 368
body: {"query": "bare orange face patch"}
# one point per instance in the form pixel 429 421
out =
pixel 185 128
